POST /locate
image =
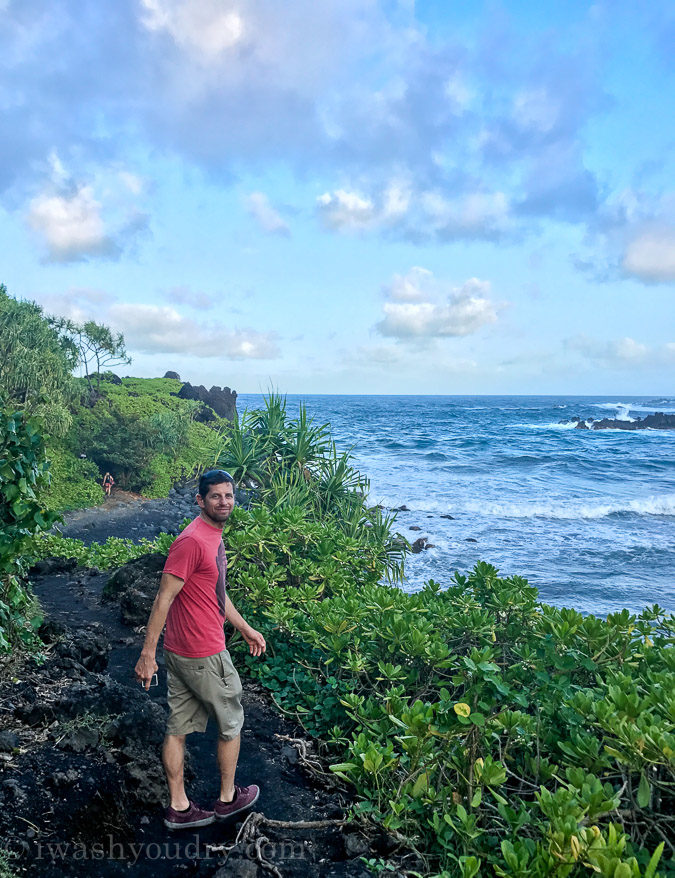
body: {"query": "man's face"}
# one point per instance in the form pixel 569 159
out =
pixel 218 502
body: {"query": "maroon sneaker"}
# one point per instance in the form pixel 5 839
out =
pixel 194 816
pixel 244 797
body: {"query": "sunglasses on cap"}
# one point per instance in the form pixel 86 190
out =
pixel 218 472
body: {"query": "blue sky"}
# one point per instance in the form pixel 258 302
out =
pixel 349 196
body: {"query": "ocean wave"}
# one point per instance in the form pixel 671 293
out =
pixel 624 407
pixel 572 425
pixel 664 505
pixel 568 425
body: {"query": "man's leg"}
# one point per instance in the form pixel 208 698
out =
pixel 173 757
pixel 228 754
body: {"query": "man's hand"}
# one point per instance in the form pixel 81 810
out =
pixel 146 666
pixel 255 640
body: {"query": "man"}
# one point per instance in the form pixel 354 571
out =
pixel 202 681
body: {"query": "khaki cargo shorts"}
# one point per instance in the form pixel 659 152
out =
pixel 200 688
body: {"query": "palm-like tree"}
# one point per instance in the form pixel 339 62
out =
pixel 304 442
pixel 242 457
pixel 297 469
pixel 337 478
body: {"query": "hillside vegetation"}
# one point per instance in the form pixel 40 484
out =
pixel 138 429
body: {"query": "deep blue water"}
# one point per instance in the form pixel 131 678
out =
pixel 586 516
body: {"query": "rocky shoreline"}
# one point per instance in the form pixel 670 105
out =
pixel 657 421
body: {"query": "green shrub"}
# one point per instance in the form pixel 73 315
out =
pixel 23 477
pixel 75 483
pixel 495 734
pixel 105 556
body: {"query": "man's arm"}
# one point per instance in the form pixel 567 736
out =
pixel 146 666
pixel 255 640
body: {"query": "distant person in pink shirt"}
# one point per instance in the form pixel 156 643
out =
pixel 202 680
pixel 108 483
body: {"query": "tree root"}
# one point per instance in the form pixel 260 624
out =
pixel 311 762
pixel 250 834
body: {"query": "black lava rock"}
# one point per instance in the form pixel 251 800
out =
pixel 8 741
pixel 223 401
pixel 143 573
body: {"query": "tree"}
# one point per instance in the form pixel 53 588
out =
pixel 98 347
pixel 36 363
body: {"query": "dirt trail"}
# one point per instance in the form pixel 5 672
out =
pixel 129 515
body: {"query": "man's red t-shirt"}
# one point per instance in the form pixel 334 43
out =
pixel 194 625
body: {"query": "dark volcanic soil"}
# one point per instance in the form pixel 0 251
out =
pixel 82 787
pixel 131 516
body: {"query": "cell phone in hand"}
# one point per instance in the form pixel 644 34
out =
pixel 154 681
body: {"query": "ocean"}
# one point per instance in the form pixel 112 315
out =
pixel 588 517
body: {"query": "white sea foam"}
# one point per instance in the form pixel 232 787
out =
pixel 664 505
pixel 622 409
pixel 568 425
pixel 626 407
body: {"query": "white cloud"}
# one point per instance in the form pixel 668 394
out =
pixel 71 225
pixel 162 329
pixel 475 214
pixel 618 353
pixel 411 287
pixel 355 89
pixel 343 211
pixel 650 255
pixel 78 220
pixel 465 310
pixel 351 211
pixel 416 215
pixel 396 200
pixel 269 220
pixel 204 27
pixel 77 303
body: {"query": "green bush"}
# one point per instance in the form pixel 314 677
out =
pixel 493 733
pixel 291 464
pixel 75 483
pixel 23 476
pixel 105 556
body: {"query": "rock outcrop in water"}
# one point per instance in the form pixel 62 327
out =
pixel 657 421
pixel 222 400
